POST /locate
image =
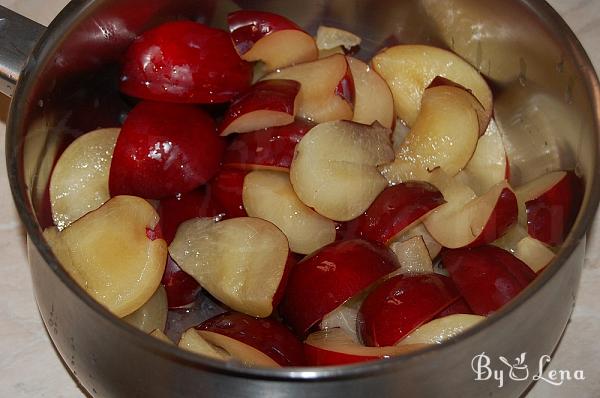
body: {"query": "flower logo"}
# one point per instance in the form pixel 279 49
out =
pixel 519 370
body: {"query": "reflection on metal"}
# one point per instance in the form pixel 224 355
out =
pixel 501 38
pixel 18 36
pixel 540 131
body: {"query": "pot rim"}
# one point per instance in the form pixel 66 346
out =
pixel 61 27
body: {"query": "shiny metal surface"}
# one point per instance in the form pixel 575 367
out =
pixel 18 35
pixel 69 86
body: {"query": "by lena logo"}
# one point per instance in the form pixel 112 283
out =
pixel 518 370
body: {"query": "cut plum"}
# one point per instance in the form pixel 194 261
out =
pixel 487 277
pixel 109 255
pixel 419 230
pixel 511 238
pixel 444 135
pixel 373 99
pixel 534 253
pixel 79 182
pixel 344 317
pixel 489 164
pixel 180 287
pixel 268 103
pixel 184 62
pixel 413 256
pixel 460 306
pixel 477 222
pixel 160 335
pixel 329 38
pixel 395 210
pixel 226 191
pixel 315 286
pixel 335 347
pixel 269 195
pixel 179 208
pixel 152 315
pixel 326 91
pixel 240 261
pixel 271 148
pixel 441 329
pixel 401 304
pixel 335 171
pixel 270 38
pixel 410 69
pixel 164 150
pixel 550 205
pixel 266 335
pixel 194 342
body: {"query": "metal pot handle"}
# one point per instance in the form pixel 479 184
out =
pixel 18 36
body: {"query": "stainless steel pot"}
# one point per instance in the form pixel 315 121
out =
pixel 545 87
